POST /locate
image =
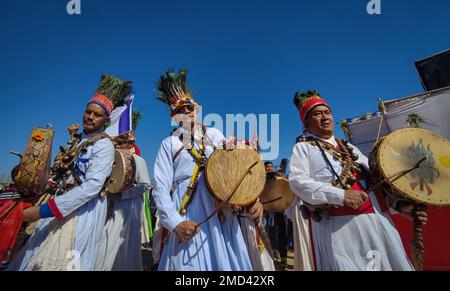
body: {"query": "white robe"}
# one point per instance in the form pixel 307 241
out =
pixel 361 242
pixel 120 248
pixel 157 240
pixel 219 245
pixel 261 260
pixel 303 258
pixel 72 242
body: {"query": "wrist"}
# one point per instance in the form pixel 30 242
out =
pixel 45 211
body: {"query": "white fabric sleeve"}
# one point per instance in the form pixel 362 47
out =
pixel 142 177
pixel 305 187
pixel 98 170
pixel 163 174
pixel 364 161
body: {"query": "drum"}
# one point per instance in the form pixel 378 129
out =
pixel 403 149
pixel 230 168
pixel 31 175
pixel 277 195
pixel 123 172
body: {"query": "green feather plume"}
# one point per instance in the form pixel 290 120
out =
pixel 299 96
pixel 171 84
pixel 136 116
pixel 115 89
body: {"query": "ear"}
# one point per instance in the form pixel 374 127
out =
pixel 107 122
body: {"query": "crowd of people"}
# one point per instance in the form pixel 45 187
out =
pixel 333 223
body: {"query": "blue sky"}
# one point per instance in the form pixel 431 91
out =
pixel 243 56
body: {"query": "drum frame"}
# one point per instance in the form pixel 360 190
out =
pixel 243 203
pixel 128 178
pixel 389 188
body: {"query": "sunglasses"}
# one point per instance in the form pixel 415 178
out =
pixel 185 109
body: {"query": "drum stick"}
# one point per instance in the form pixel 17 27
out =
pixel 270 201
pixel 396 176
pixel 229 196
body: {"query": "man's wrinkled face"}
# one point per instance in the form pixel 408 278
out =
pixel 186 116
pixel 94 118
pixel 319 121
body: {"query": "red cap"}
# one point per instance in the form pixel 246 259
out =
pixel 103 102
pixel 308 104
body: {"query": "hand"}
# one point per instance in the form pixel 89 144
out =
pixel 354 198
pixel 31 214
pixel 409 209
pixel 237 209
pixel 73 128
pixel 186 230
pixel 256 211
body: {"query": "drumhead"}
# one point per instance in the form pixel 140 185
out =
pixel 402 149
pixel 118 173
pixel 277 195
pixel 31 175
pixel 225 168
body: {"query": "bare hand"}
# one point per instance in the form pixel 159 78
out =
pixel 256 211
pixel 31 214
pixel 186 230
pixel 354 198
pixel 73 128
pixel 237 209
pixel 409 209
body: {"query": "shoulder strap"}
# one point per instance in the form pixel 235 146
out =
pixel 93 139
pixel 177 154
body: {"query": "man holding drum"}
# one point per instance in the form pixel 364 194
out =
pixel 181 194
pixel 70 226
pixel 350 228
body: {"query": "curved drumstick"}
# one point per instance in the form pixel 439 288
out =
pixel 396 176
pixel 272 200
pixel 229 196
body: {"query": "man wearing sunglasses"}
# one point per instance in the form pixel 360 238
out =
pixel 182 197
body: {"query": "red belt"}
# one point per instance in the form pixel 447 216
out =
pixel 366 208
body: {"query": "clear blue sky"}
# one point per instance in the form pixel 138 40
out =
pixel 243 56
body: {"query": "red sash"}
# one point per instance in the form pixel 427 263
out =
pixel 366 208
pixel 11 220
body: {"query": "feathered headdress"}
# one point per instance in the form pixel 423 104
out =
pixel 304 102
pixel 111 93
pixel 173 91
pixel 136 116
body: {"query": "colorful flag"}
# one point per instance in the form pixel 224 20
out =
pixel 121 119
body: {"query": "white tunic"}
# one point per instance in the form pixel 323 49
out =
pixel 303 258
pixel 361 242
pixel 120 249
pixel 261 260
pixel 72 243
